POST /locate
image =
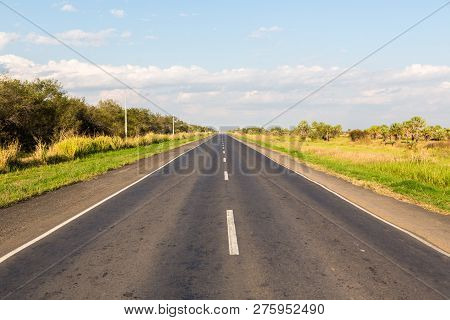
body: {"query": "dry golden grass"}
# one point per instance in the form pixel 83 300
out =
pixel 8 155
pixel 70 147
pixel 421 174
pixel 36 179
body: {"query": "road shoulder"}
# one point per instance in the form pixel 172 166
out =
pixel 429 226
pixel 27 220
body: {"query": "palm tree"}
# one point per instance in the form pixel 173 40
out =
pixel 414 127
pixel 396 130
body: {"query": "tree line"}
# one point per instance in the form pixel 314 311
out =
pixel 41 111
pixel 315 130
pixel 412 131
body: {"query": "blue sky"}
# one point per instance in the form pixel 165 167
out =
pixel 235 63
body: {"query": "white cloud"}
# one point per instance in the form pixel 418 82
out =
pixel 420 71
pixel 75 37
pixel 246 96
pixel 68 8
pixel 186 14
pixel 16 62
pixel 445 85
pixel 40 39
pixel 7 37
pixel 151 37
pixel 126 34
pixel 118 13
pixel 264 31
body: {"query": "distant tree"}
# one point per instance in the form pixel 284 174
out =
pixel 427 133
pixel 436 133
pixel 277 130
pixel 374 131
pixel 396 130
pixel 336 131
pixel 414 127
pixel 384 132
pixel 303 129
pixel 253 130
pixel 357 134
pixel 324 131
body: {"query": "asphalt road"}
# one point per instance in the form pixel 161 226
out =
pixel 172 236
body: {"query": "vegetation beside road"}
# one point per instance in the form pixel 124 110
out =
pixel 412 168
pixel 75 147
pixel 49 139
pixel 41 124
pixel 22 184
pixel 41 112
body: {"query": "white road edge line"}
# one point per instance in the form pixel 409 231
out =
pixel 425 242
pixel 232 238
pixel 224 159
pixel 225 175
pixel 62 224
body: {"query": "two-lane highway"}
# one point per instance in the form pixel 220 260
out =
pixel 224 222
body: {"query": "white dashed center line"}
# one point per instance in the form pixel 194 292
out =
pixel 232 238
pixel 224 159
pixel 225 175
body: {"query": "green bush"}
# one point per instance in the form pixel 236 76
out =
pixel 40 111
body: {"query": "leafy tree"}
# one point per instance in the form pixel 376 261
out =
pixel 413 127
pixel 30 111
pixel 303 129
pixel 40 111
pixel 396 130
pixel 253 130
pixel 324 131
pixel 336 131
pixel 357 134
pixel 374 131
pixel 384 132
pixel 427 133
pixel 436 133
pixel 278 131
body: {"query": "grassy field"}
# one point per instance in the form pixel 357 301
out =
pixel 421 176
pixel 22 184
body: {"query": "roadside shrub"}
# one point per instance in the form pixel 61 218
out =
pixel 8 155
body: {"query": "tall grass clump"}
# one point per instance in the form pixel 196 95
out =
pixel 71 147
pixel 8 156
pixel 40 153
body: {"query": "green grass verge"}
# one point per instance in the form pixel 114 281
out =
pixel 22 184
pixel 411 181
